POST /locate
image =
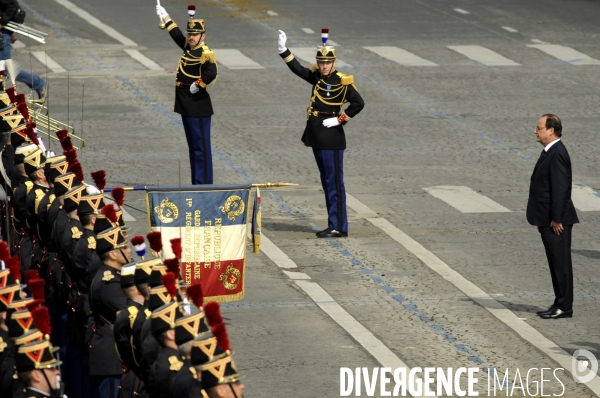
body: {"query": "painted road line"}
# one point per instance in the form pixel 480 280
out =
pixel 566 54
pixel 92 20
pixel 296 275
pixel 275 254
pixel 502 313
pixel 18 44
pixel 142 59
pixel 511 30
pixel 307 54
pixel 362 335
pixel 585 198
pixel 126 215
pixel 461 11
pixel 483 55
pixel 537 41
pixel 400 56
pixel 308 30
pixel 272 13
pixel 234 59
pixel 465 200
pixel 48 62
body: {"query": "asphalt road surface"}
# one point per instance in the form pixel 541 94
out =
pixel 441 268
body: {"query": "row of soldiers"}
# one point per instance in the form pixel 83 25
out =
pixel 72 300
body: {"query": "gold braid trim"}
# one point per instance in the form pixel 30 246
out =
pixel 289 58
pixel 172 26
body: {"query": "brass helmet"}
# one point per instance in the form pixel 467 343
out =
pixel 325 52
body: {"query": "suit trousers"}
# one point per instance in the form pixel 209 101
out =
pixel 197 133
pixel 331 168
pixel 558 252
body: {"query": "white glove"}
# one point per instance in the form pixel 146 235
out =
pixel 331 122
pixel 91 190
pixel 50 154
pixel 161 12
pixel 281 42
pixel 194 89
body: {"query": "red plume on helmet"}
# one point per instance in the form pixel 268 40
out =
pixel 155 240
pixel 61 134
pixel 13 264
pixel 31 133
pixel 66 143
pixel 118 194
pixel 23 110
pixel 20 98
pixel 77 170
pixel 220 332
pixel 31 274
pixel 99 178
pixel 110 213
pixel 11 94
pixel 194 293
pixel 168 281
pixel 36 287
pixel 173 266
pixel 137 240
pixel 41 318
pixel 71 155
pixel 176 247
pixel 4 252
pixel 33 305
pixel 212 312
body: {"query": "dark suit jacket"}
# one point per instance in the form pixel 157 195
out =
pixel 550 189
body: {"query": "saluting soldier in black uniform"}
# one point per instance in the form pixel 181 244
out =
pixel 106 299
pixel 324 130
pixel 197 68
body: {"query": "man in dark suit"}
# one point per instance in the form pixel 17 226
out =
pixel 551 209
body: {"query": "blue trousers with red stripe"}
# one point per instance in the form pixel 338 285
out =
pixel 331 168
pixel 197 133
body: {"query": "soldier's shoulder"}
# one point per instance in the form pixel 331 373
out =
pixel 109 275
pixel 345 79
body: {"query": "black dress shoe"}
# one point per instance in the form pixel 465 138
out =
pixel 548 311
pixel 331 233
pixel 558 313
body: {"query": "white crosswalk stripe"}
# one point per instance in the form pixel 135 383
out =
pixel 308 30
pixel 400 56
pixel 234 59
pixel 307 54
pixel 46 60
pixel 585 198
pixel 465 200
pixel 566 54
pixel 483 55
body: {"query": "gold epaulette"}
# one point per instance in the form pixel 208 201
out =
pixel 39 195
pixel 207 55
pixel 133 311
pixel 314 68
pixel 346 79
pixel 28 185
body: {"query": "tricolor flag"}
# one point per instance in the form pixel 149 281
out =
pixel 256 222
pixel 211 221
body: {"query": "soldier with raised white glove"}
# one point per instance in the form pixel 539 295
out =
pixel 324 130
pixel 197 68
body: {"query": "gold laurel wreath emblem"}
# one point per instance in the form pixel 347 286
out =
pixel 167 212
pixel 230 278
pixel 233 207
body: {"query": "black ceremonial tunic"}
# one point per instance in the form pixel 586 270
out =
pixel 194 63
pixel 106 298
pixel 341 89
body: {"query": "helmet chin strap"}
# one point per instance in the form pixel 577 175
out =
pixel 233 391
pixel 127 260
pixel 55 392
